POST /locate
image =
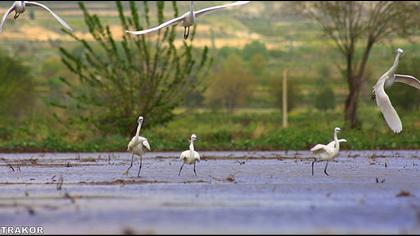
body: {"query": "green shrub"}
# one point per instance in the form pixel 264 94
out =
pixel 119 80
pixel 325 99
pixel 17 88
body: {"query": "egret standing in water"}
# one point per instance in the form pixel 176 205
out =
pixel 327 152
pixel 19 7
pixel 190 156
pixel 188 19
pixel 382 99
pixel 137 146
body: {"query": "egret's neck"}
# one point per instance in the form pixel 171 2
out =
pixel 138 129
pixel 191 6
pixel 337 144
pixel 192 148
pixel 396 62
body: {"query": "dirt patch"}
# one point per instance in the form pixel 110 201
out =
pixel 404 194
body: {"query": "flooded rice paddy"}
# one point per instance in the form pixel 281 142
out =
pixel 234 192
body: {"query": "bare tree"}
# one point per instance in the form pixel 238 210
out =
pixel 355 27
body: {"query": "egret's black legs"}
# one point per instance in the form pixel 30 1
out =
pixel 186 32
pixel 131 165
pixel 313 166
pixel 325 170
pixel 180 169
pixel 194 170
pixel 16 15
pixel 141 160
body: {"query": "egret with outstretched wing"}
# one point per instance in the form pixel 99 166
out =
pixel 382 99
pixel 188 19
pixel 327 152
pixel 19 7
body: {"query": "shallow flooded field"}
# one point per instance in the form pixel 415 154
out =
pixel 234 192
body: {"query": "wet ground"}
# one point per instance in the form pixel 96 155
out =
pixel 234 192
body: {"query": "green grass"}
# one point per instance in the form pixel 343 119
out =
pixel 244 130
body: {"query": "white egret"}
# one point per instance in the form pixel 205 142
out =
pixel 137 146
pixel 19 7
pixel 327 152
pixel 188 19
pixel 190 156
pixel 382 99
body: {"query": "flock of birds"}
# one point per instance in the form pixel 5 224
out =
pixel 139 145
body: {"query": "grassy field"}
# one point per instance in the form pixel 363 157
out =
pixel 247 129
pixel 293 43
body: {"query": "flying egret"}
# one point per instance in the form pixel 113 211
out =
pixel 137 146
pixel 382 99
pixel 327 152
pixel 19 7
pixel 190 156
pixel 188 19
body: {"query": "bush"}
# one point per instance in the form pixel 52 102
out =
pixel 231 84
pixel 325 99
pixel 16 88
pixel 138 75
pixel 253 48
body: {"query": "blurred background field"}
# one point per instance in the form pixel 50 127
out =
pixel 250 49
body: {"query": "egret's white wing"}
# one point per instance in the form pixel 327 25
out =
pixel 132 144
pixel 408 79
pixel 331 144
pixel 318 148
pixel 137 141
pixel 184 154
pixel 163 25
pixel 196 156
pixel 209 9
pixel 5 16
pixel 52 13
pixel 146 144
pixel 384 104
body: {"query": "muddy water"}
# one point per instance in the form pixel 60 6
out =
pixel 234 192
